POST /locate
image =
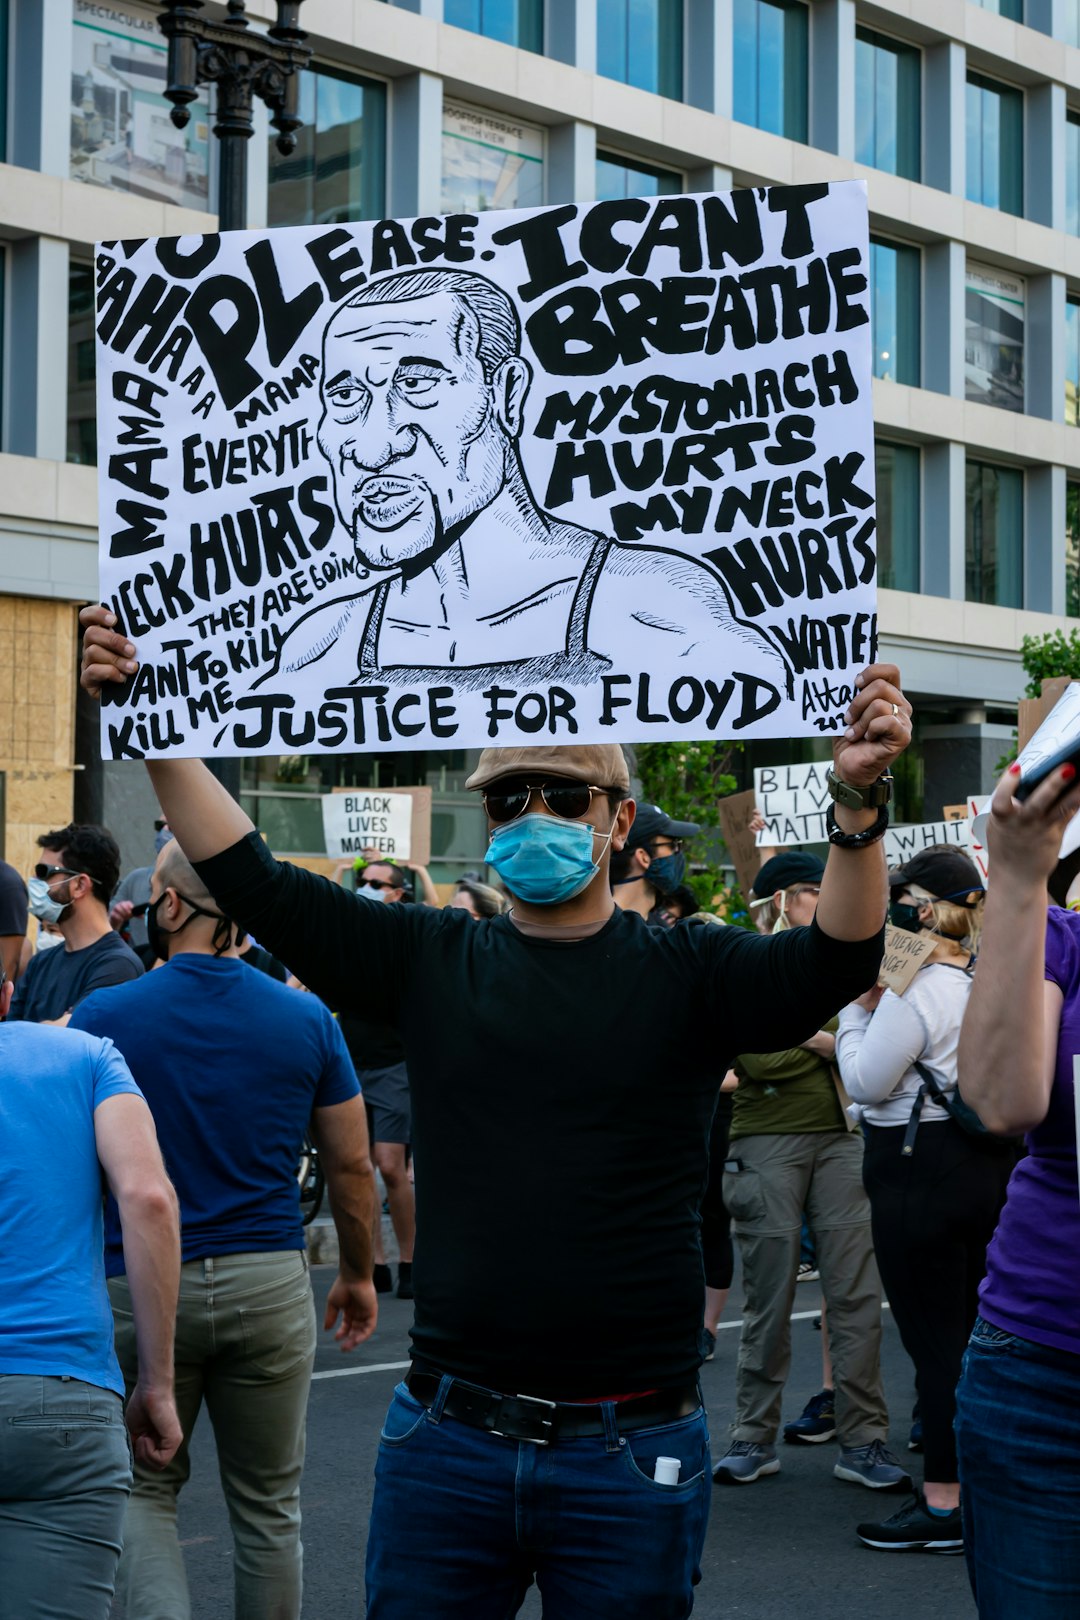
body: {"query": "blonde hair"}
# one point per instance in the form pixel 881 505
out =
pixel 961 925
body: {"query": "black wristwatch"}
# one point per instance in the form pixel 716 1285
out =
pixel 859 840
pixel 879 793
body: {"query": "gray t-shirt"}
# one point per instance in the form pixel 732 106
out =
pixel 136 888
pixel 57 980
pixel 12 901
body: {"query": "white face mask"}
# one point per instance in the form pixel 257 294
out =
pixel 47 942
pixel 371 893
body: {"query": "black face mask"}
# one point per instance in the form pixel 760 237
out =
pixel 905 917
pixel 159 937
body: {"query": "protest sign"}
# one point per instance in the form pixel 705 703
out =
pixel 563 474
pixel 794 799
pixel 394 821
pixel 904 955
pixel 955 812
pixel 734 814
pixel 976 848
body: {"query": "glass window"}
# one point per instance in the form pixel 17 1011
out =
pixel 888 110
pixel 514 22
pixel 640 42
pixel 81 399
pixel 1013 9
pixel 895 303
pixel 1072 21
pixel 618 177
pixel 1072 362
pixel 121 132
pixel 994 337
pixel 489 161
pixel 899 497
pixel 1072 549
pixel 771 66
pixel 994 550
pixel 4 26
pixel 995 145
pixel 337 170
pixel 1072 174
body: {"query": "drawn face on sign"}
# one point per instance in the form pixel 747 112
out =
pixel 416 432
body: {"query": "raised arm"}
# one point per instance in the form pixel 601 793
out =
pixel 1008 1043
pixel 127 1148
pixel 854 890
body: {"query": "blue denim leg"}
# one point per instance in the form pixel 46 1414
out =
pixel 1018 1438
pixel 463 1520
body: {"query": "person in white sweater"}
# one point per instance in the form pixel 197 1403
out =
pixel 935 1189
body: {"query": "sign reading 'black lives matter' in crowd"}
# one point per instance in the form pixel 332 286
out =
pixel 573 473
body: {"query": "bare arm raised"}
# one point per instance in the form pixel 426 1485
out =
pixel 202 814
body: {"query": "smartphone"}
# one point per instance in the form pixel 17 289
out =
pixel 1069 755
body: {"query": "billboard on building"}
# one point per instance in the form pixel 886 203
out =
pixel 576 473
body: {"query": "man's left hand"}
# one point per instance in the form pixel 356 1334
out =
pixel 878 727
pixel 358 1306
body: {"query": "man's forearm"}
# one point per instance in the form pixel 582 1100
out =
pixel 201 812
pixel 151 1231
pixel 855 888
pixel 351 1193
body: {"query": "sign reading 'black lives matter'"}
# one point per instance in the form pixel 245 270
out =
pixel 587 473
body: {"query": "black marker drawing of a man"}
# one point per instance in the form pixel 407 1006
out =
pixel 423 392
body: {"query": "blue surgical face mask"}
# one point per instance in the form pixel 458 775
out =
pixel 42 904
pixel 544 860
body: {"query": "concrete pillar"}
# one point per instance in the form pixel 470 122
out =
pixel 944 269
pixel 960 759
pixel 943 521
pixel 710 177
pixel 1044 539
pixel 37 353
pixel 416 142
pixel 571 33
pixel 832 76
pixel 1044 348
pixel 944 117
pixel 709 33
pixel 39 79
pixel 571 163
pixel 1044 155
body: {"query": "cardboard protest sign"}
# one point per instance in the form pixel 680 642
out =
pixel 571 473
pixel 734 814
pixel 904 955
pixel 394 821
pixel 793 800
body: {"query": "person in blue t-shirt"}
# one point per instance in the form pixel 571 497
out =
pixel 70 887
pixel 236 1067
pixel 69 1110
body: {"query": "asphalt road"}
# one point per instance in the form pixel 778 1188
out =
pixel 782 1547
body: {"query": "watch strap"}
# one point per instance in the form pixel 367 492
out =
pixel 879 793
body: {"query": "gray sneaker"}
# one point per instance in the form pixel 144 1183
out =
pixel 746 1462
pixel 873 1466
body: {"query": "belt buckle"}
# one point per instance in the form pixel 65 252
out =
pixel 545 1423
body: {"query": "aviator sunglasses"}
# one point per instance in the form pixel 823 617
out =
pixel 569 800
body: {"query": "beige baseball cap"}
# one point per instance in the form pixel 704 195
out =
pixel 599 764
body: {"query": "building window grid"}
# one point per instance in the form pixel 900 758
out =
pixel 896 311
pixel 81 377
pixel 619 176
pixel 994 539
pixel 888 104
pixel 641 42
pixel 511 22
pixel 898 475
pixel 1072 362
pixel 771 56
pixel 1072 549
pixel 337 171
pixel 994 144
pixel 1072 173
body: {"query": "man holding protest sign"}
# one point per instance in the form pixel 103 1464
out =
pixel 525 1440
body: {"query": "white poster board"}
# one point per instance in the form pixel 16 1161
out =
pixel 794 800
pixel 368 818
pixel 583 473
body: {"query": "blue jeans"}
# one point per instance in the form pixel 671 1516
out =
pixel 65 1474
pixel 463 1521
pixel 1018 1439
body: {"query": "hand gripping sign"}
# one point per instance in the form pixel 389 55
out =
pixel 574 473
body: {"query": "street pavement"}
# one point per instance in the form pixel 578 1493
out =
pixel 785 1546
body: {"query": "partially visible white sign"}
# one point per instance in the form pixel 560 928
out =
pixel 977 849
pixel 368 819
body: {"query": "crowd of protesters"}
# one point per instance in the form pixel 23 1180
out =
pixel 752 1089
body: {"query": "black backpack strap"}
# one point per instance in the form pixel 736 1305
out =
pixel 913 1122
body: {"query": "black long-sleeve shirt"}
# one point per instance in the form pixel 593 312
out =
pixel 562 1096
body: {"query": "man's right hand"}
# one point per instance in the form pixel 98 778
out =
pixel 154 1426
pixel 106 657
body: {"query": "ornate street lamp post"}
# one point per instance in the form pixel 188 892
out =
pixel 243 65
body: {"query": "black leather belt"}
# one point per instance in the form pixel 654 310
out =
pixel 527 1417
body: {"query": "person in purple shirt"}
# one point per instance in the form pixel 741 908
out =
pixel 1018 1404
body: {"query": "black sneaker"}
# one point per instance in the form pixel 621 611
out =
pixel 404 1279
pixel 382 1278
pixel 817 1422
pixel 915 1529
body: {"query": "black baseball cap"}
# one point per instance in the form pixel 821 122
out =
pixel 791 866
pixel 651 822
pixel 943 871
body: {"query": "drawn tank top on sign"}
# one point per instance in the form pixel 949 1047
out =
pixel 573 664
